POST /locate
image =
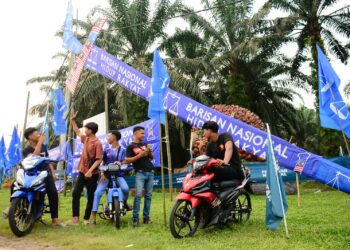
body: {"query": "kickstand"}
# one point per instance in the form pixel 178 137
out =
pixel 42 221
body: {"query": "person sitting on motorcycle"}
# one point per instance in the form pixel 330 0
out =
pixel 113 154
pixel 35 146
pixel 226 153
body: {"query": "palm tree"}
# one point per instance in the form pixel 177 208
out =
pixel 304 130
pixel 133 30
pixel 231 57
pixel 311 22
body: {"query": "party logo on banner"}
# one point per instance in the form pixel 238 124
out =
pixel 303 158
pixel 171 100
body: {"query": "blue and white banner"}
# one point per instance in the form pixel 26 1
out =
pixel 245 136
pixel 152 137
pixel 58 153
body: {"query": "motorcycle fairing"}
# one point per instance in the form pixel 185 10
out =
pixel 188 197
pixel 24 194
pixel 114 192
pixel 190 183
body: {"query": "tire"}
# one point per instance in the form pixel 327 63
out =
pixel 17 217
pixel 179 219
pixel 116 212
pixel 242 207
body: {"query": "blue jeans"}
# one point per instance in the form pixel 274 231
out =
pixel 101 188
pixel 143 180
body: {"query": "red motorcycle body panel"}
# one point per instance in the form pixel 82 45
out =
pixel 188 197
pixel 190 183
pixel 209 198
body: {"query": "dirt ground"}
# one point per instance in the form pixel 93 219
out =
pixel 15 243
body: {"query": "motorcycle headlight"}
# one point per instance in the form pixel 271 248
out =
pixel 39 179
pixel 20 177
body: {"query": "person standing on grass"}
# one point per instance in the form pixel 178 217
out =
pixel 88 168
pixel 114 154
pixel 140 155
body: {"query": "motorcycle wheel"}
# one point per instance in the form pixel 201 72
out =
pixel 116 212
pixel 242 207
pixel 180 225
pixel 21 223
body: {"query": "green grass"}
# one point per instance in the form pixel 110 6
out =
pixel 322 222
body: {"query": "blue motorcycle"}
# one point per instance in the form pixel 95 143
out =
pixel 115 206
pixel 28 199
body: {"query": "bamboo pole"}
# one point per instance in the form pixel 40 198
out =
pixel 106 106
pixel 297 181
pixel 162 170
pixel 167 142
pixel 298 188
pixel 25 118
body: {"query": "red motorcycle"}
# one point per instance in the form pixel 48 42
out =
pixel 203 203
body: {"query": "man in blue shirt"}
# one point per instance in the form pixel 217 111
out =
pixel 112 154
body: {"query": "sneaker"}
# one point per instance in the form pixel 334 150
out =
pixel 135 223
pixel 147 221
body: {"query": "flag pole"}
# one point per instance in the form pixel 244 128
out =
pixel 278 183
pixel 105 90
pixel 298 188
pixel 25 118
pixel 162 168
pixel 68 138
pixel 191 154
pixel 339 121
pixel 296 180
pixel 167 142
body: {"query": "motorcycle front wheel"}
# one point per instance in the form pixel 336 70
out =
pixel 180 225
pixel 21 222
pixel 116 212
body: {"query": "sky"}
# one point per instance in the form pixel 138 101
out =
pixel 29 42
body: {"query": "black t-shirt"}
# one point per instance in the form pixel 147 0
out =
pixel 217 150
pixel 43 153
pixel 143 164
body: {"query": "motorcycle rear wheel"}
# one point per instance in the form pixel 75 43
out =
pixel 180 225
pixel 116 212
pixel 242 207
pixel 21 223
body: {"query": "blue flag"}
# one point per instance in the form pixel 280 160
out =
pixel 14 153
pixel 45 127
pixel 70 42
pixel 334 112
pixel 160 82
pixel 59 125
pixel 276 200
pixel 3 159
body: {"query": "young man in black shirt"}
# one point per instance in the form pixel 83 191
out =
pixel 140 155
pixel 35 146
pixel 225 151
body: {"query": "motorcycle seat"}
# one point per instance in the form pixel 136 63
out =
pixel 227 184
